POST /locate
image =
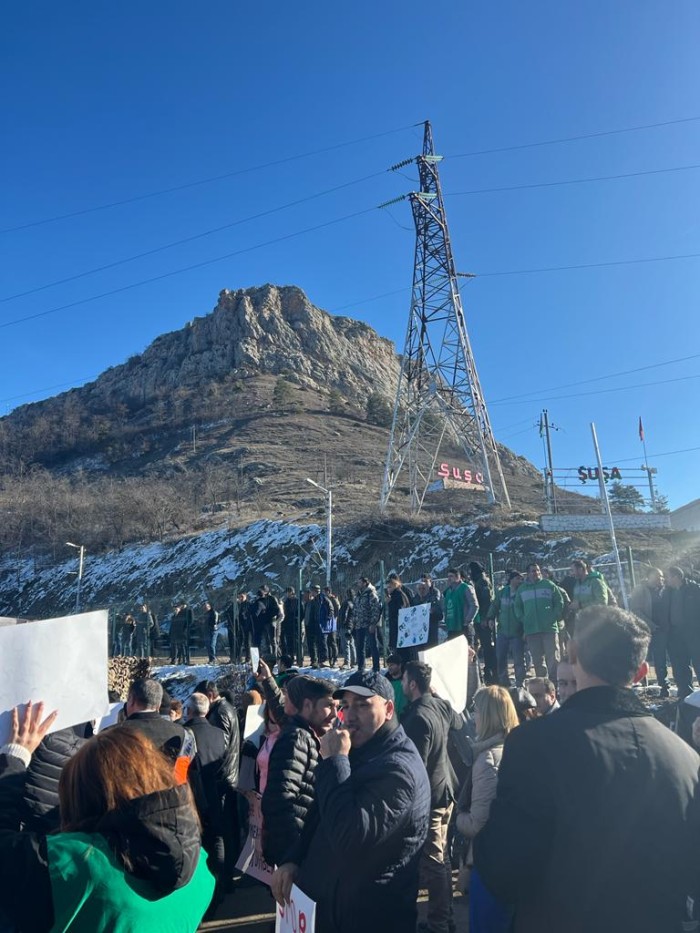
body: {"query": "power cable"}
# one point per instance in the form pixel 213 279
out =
pixel 574 181
pixel 581 382
pixel 639 385
pixel 587 265
pixel 206 181
pixel 190 239
pixel 570 139
pixel 668 453
pixel 180 271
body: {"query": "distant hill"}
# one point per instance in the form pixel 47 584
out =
pixel 220 423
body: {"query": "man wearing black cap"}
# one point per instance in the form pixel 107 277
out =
pixel 359 854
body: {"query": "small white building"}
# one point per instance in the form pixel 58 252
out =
pixel 687 517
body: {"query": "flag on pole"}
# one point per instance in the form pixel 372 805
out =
pixel 641 430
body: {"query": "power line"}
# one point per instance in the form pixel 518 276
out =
pixel 668 453
pixel 570 139
pixel 587 265
pixel 206 181
pixel 58 385
pixel 180 271
pixel 581 382
pixel 639 385
pixel 575 181
pixel 298 201
pixel 190 239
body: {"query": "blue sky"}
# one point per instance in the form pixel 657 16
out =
pixel 107 102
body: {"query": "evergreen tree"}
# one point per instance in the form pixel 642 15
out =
pixel 335 402
pixel 379 411
pixel 625 498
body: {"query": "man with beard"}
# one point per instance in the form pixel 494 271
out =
pixel 309 712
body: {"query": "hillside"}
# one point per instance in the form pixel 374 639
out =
pixel 183 471
pixel 218 423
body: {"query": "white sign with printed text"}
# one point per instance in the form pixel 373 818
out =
pixel 298 916
pixel 413 625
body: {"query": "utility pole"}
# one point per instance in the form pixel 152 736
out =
pixel 81 561
pixel 329 526
pixel 550 489
pixel 607 511
pixel 439 395
pixel 645 466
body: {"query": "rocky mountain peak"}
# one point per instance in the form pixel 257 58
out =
pixel 269 330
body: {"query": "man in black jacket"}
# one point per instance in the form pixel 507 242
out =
pixel 290 633
pixel 309 712
pixel 143 714
pixel 681 601
pixel 222 714
pixel 206 777
pixel 427 721
pixel 397 600
pixel 576 789
pixel 359 853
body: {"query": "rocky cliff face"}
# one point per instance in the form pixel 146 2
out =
pixel 269 330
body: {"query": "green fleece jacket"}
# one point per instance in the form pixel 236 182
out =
pixel 593 591
pixel 539 606
pixel 503 611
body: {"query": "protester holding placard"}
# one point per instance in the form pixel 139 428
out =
pixel 128 857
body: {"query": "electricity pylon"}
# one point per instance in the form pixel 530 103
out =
pixel 439 395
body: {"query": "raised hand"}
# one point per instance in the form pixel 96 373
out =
pixel 28 730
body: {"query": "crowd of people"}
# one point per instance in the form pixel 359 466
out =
pixel 556 796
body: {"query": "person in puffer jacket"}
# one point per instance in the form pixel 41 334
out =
pixel 40 812
pixel 128 857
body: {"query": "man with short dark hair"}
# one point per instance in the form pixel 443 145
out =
pixel 211 624
pixel 590 588
pixel 460 606
pixel 290 634
pixel 427 721
pixel 566 681
pixel 143 715
pixel 610 770
pixel 682 607
pixel 429 594
pixel 267 613
pixel 509 631
pixel 359 854
pixel 309 712
pixel 648 601
pixel 368 611
pixel 179 635
pixel 545 694
pixel 316 640
pixel 397 600
pixel 539 605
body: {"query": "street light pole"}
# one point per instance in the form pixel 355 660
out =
pixel 81 561
pixel 329 526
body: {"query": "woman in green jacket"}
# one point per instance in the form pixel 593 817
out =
pixel 128 857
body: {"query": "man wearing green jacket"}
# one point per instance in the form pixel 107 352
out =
pixel 509 631
pixel 590 588
pixel 539 606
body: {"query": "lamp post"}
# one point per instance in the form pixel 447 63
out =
pixel 81 561
pixel 329 525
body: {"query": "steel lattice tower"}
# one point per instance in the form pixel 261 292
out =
pixel 439 393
